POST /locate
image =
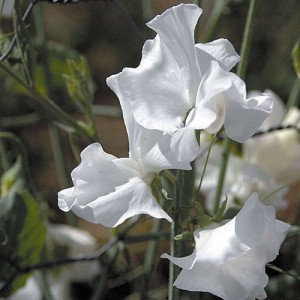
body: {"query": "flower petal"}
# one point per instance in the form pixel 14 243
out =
pixel 221 50
pixel 108 190
pixel 210 104
pixel 184 144
pixel 244 116
pixel 176 28
pixel 157 89
pixel 149 147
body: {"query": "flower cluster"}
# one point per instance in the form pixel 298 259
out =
pixel 178 89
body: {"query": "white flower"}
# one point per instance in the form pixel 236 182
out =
pixel 75 242
pixel 277 152
pixel 179 86
pixel 241 180
pixel 8 8
pixel 31 290
pixel 109 190
pixel 229 261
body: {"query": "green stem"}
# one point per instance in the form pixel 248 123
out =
pixel 176 246
pixel 205 164
pixel 241 70
pixel 294 97
pixel 242 66
pixel 222 174
pixel 101 288
pixel 53 131
pixel 214 20
pixel 3 157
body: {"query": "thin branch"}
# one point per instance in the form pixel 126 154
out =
pixel 14 39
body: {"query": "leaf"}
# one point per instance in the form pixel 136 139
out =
pixel 218 216
pixel 24 43
pixel 25 233
pixel 296 58
pixel 79 83
pixel 10 177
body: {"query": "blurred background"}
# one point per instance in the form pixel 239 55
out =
pixel 110 35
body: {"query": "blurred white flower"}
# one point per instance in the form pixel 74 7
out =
pixel 241 180
pixel 229 260
pixel 7 8
pixel 31 290
pixel 181 86
pixel 75 242
pixel 277 152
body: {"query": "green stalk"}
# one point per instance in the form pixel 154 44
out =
pixel 53 131
pixel 214 20
pixel 176 246
pixel 241 70
pixel 294 97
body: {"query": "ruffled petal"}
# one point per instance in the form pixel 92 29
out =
pixel 176 28
pixel 157 89
pixel 186 263
pixel 209 113
pixel 278 111
pixel 149 147
pixel 220 50
pixel 184 144
pixel 244 116
pixel 108 190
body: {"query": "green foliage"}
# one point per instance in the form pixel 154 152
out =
pixel 80 84
pixel 24 43
pixel 23 232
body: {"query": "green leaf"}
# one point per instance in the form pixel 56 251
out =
pixel 80 84
pixel 24 43
pixel 296 58
pixel 218 216
pixel 10 177
pixel 25 233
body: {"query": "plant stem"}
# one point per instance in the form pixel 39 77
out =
pixel 242 66
pixel 176 246
pixel 294 97
pixel 241 70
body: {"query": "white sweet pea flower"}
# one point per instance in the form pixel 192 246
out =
pixel 109 190
pixel 241 180
pixel 229 261
pixel 277 152
pixel 179 86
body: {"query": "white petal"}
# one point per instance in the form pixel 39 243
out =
pixel 108 190
pixel 244 116
pixel 176 29
pixel 278 111
pixel 186 263
pixel 157 89
pixel 210 104
pixel 221 50
pixel 130 199
pixel 149 147
pixel 250 222
pixel 184 144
